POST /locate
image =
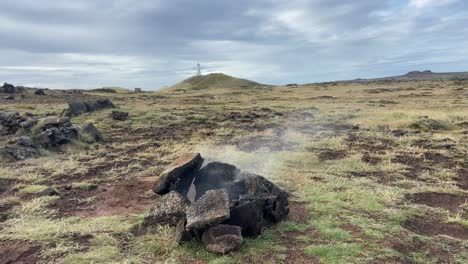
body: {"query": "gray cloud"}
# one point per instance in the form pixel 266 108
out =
pixel 85 44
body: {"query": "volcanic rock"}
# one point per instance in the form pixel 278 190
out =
pixel 10 122
pixel 119 115
pixel 169 209
pixel 215 175
pixel 222 239
pixel 182 234
pixel 39 92
pixel 56 131
pixel 28 123
pixel 90 134
pixel 79 108
pixel 211 209
pixel 20 149
pixel 248 214
pixel 7 88
pixel 9 97
pixel 179 175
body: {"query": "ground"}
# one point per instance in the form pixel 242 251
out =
pixel 378 173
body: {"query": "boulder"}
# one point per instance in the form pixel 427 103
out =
pixel 76 108
pixel 9 97
pixel 222 239
pixel 28 123
pixel 39 92
pixel 215 175
pixel 10 122
pixel 248 215
pixel 168 209
pixel 179 175
pixel 7 88
pixel 211 209
pixel 90 134
pixel 55 131
pixel 119 115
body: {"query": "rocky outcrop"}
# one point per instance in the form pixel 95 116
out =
pixel 78 108
pixel 37 134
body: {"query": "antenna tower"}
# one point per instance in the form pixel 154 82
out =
pixel 198 69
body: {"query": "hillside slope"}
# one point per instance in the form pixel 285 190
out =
pixel 213 81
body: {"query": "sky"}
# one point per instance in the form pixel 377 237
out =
pixel 156 43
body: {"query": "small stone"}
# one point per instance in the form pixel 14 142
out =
pixel 222 239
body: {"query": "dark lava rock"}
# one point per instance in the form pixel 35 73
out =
pixel 79 108
pixel 179 175
pixel 39 92
pixel 169 209
pixel 215 175
pixel 222 239
pixel 10 122
pixel 182 234
pixel 56 131
pixel 90 134
pixel 119 115
pixel 211 209
pixel 9 97
pixel 20 149
pixel 248 214
pixel 28 123
pixel 7 88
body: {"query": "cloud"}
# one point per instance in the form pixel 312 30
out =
pixel 427 3
pixel 152 44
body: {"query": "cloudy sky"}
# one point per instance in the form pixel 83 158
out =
pixel 151 44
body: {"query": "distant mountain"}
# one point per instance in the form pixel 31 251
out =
pixel 421 75
pixel 214 81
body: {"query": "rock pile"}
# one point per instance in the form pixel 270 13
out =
pixel 216 203
pixel 78 108
pixel 10 88
pixel 36 134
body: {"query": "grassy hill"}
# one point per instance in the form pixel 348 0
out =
pixel 213 81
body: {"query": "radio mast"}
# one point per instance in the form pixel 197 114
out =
pixel 198 69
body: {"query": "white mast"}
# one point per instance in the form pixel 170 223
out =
pixel 198 69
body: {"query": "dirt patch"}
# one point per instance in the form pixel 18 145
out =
pixel 431 227
pixel 124 198
pixel 447 201
pixel 332 155
pixel 19 252
pixel 370 159
pixel 463 178
pixel 298 212
pixel 415 165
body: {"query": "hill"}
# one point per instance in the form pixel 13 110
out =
pixel 214 81
pixel 420 76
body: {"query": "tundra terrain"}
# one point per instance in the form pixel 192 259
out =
pixel 378 171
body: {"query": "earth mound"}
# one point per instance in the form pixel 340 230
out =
pixel 213 81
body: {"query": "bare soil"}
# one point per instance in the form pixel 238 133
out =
pixel 447 201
